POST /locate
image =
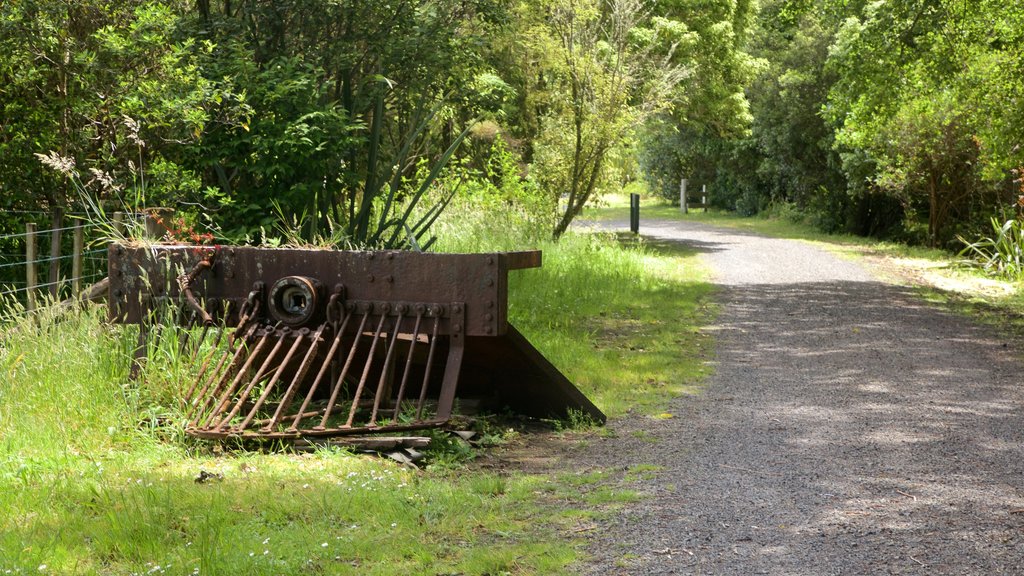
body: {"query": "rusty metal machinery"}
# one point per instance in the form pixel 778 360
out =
pixel 291 343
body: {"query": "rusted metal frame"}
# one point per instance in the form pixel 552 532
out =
pixel 456 348
pixel 246 329
pixel 223 390
pixel 408 366
pixel 382 384
pixel 477 279
pixel 205 365
pixel 214 348
pixel 328 360
pixel 300 336
pixel 340 381
pixel 223 371
pixel 430 367
pixel 366 369
pixel 326 432
pixel 185 282
pixel 264 368
pixel 299 375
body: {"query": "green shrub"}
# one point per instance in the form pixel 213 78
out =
pixel 1001 254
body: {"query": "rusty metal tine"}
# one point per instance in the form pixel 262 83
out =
pixel 221 394
pixel 213 381
pixel 430 364
pixel 344 372
pixel 223 369
pixel 214 348
pixel 300 375
pixel 260 373
pixel 206 361
pixel 323 370
pixel 408 366
pixel 389 358
pixel 300 335
pixel 366 370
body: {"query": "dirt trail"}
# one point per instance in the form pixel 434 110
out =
pixel 849 429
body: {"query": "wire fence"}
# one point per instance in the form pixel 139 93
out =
pixel 56 261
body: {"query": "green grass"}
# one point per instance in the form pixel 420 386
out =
pixel 95 478
pixel 621 318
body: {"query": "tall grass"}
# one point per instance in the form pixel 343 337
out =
pixel 88 487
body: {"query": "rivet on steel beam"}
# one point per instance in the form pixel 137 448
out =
pixel 490 304
pixel 490 260
pixel 456 309
pixel 389 279
pixel 457 327
pixel 488 317
pixel 370 278
pixel 487 330
pixel 490 282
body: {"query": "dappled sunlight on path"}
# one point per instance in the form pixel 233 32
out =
pixel 849 429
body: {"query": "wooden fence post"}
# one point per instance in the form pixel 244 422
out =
pixel 55 236
pixel 30 265
pixel 119 223
pixel 76 260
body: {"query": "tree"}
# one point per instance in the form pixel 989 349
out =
pixel 110 86
pixel 601 67
pixel 709 107
pixel 908 112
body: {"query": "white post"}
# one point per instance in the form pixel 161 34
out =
pixel 682 195
pixel 704 196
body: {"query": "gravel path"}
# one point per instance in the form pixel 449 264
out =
pixel 849 429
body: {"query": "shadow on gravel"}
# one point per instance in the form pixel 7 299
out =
pixel 849 429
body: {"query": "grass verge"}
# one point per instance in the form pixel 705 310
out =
pixel 93 479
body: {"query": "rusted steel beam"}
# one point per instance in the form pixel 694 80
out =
pixel 479 280
pixel 370 341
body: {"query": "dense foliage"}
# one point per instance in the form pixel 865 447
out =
pixel 899 119
pixel 336 116
pixel 355 121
